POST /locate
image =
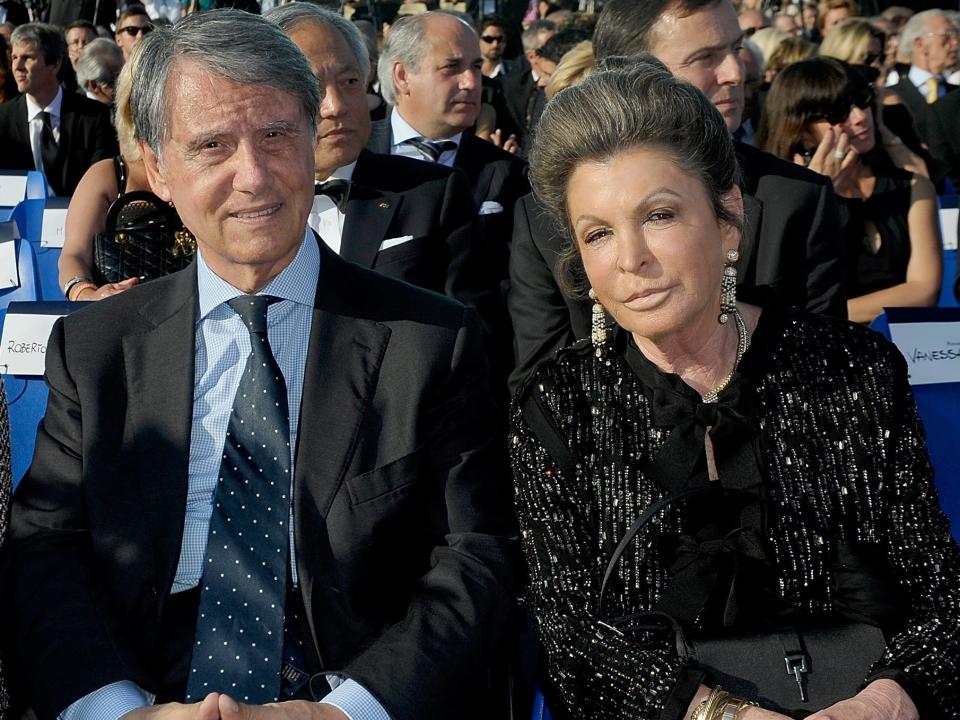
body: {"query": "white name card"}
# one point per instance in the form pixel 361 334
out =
pixel 9 272
pixel 54 221
pixel 932 350
pixel 13 189
pixel 949 216
pixel 23 344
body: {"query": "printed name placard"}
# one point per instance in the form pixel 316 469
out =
pixel 949 216
pixel 13 189
pixel 54 221
pixel 932 348
pixel 26 330
pixel 9 272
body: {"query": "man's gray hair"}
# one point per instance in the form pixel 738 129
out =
pixel 405 44
pixel 242 47
pixel 916 27
pixel 289 17
pixel 530 39
pixel 100 62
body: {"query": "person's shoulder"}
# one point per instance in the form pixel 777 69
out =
pixel 76 103
pixel 947 107
pixel 760 165
pixel 12 106
pixel 397 173
pixel 560 370
pixel 840 340
pixel 490 154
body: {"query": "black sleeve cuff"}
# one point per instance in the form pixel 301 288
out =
pixel 675 708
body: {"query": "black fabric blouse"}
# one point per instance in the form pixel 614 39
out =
pixel 817 441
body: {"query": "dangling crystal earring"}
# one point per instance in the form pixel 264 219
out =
pixel 728 287
pixel 598 328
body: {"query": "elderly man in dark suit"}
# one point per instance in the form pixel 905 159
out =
pixel 404 218
pixel 791 240
pixel 45 128
pixel 429 70
pixel 274 477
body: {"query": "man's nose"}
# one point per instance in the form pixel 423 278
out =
pixel 730 71
pixel 332 104
pixel 250 174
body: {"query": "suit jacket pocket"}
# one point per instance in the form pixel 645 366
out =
pixel 385 479
pixel 404 251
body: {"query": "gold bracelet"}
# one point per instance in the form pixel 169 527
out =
pixel 715 704
pixel 700 713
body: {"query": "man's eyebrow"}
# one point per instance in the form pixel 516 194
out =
pixel 714 48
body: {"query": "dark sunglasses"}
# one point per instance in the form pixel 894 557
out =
pixel 493 38
pixel 871 58
pixel 838 114
pixel 133 30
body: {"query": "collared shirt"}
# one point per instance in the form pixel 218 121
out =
pixel 401 131
pixel 325 216
pixel 918 78
pixel 221 343
pixel 497 71
pixel 35 125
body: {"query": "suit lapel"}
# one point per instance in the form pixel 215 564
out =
pixel 21 133
pixel 343 365
pixel 471 161
pixel 368 216
pixel 68 133
pixel 159 367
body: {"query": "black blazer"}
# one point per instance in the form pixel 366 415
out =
pixel 944 136
pixel 86 136
pixel 917 105
pixel 791 242
pixel 518 90
pixel 404 527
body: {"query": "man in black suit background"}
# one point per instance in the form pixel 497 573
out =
pixel 520 87
pixel 791 239
pixel 406 219
pixel 929 40
pixel 272 406
pixel 429 71
pixel 45 128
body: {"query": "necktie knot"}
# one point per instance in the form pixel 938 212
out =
pixel 337 190
pixel 252 309
pixel 431 149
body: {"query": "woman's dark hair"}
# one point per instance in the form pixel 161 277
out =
pixel 804 93
pixel 629 103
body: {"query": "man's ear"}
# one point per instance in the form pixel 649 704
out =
pixel 401 79
pixel 155 173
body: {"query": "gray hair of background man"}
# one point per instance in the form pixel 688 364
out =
pixel 916 27
pixel 294 14
pixel 530 39
pixel 405 44
pixel 623 28
pixel 46 38
pixel 237 45
pixel 99 62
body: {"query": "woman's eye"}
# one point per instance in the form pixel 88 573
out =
pixel 659 216
pixel 596 235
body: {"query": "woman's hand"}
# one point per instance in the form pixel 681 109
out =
pixel 880 700
pixel 755 713
pixel 833 157
pixel 99 293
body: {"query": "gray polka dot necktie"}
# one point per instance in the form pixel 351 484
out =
pixel 238 641
pixel 431 149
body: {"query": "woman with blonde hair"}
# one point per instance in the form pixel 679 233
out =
pixel 574 67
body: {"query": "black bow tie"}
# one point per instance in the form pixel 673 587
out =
pixel 336 190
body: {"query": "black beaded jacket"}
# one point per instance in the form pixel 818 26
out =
pixel 822 412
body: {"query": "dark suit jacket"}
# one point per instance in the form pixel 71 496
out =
pixel 944 136
pixel 791 242
pixel 404 529
pixel 917 105
pixel 64 12
pixel 17 13
pixel 518 90
pixel 86 136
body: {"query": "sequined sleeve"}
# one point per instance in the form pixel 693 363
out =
pixel 594 672
pixel 927 560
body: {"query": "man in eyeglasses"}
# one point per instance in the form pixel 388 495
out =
pixel 133 24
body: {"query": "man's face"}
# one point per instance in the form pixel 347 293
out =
pixel 31 72
pixel 750 21
pixel 442 98
pixel 937 46
pixel 237 162
pixel 493 41
pixel 344 122
pixel 704 49
pixel 131 32
pixel 77 39
pixel 545 70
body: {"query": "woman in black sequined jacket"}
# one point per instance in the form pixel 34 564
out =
pixel 807 424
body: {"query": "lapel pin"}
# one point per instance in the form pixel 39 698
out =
pixel 384 205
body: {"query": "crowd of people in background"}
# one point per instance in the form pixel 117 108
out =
pixel 831 128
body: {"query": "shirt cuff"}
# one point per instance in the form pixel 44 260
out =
pixel 110 702
pixel 354 700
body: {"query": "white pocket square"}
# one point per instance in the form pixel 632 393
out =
pixel 393 242
pixel 489 207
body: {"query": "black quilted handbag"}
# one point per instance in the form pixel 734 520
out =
pixel 144 238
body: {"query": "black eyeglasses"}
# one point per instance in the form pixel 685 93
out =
pixel 838 114
pixel 493 38
pixel 871 58
pixel 134 30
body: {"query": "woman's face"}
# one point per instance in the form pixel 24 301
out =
pixel 651 244
pixel 858 127
pixel 833 18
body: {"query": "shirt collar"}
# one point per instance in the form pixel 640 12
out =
pixel 402 131
pixel 918 76
pixel 297 282
pixel 344 173
pixel 53 108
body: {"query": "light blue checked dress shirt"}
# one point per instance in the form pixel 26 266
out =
pixel 222 345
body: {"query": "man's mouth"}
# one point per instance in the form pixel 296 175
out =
pixel 252 214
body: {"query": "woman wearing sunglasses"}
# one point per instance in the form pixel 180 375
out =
pixel 821 113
